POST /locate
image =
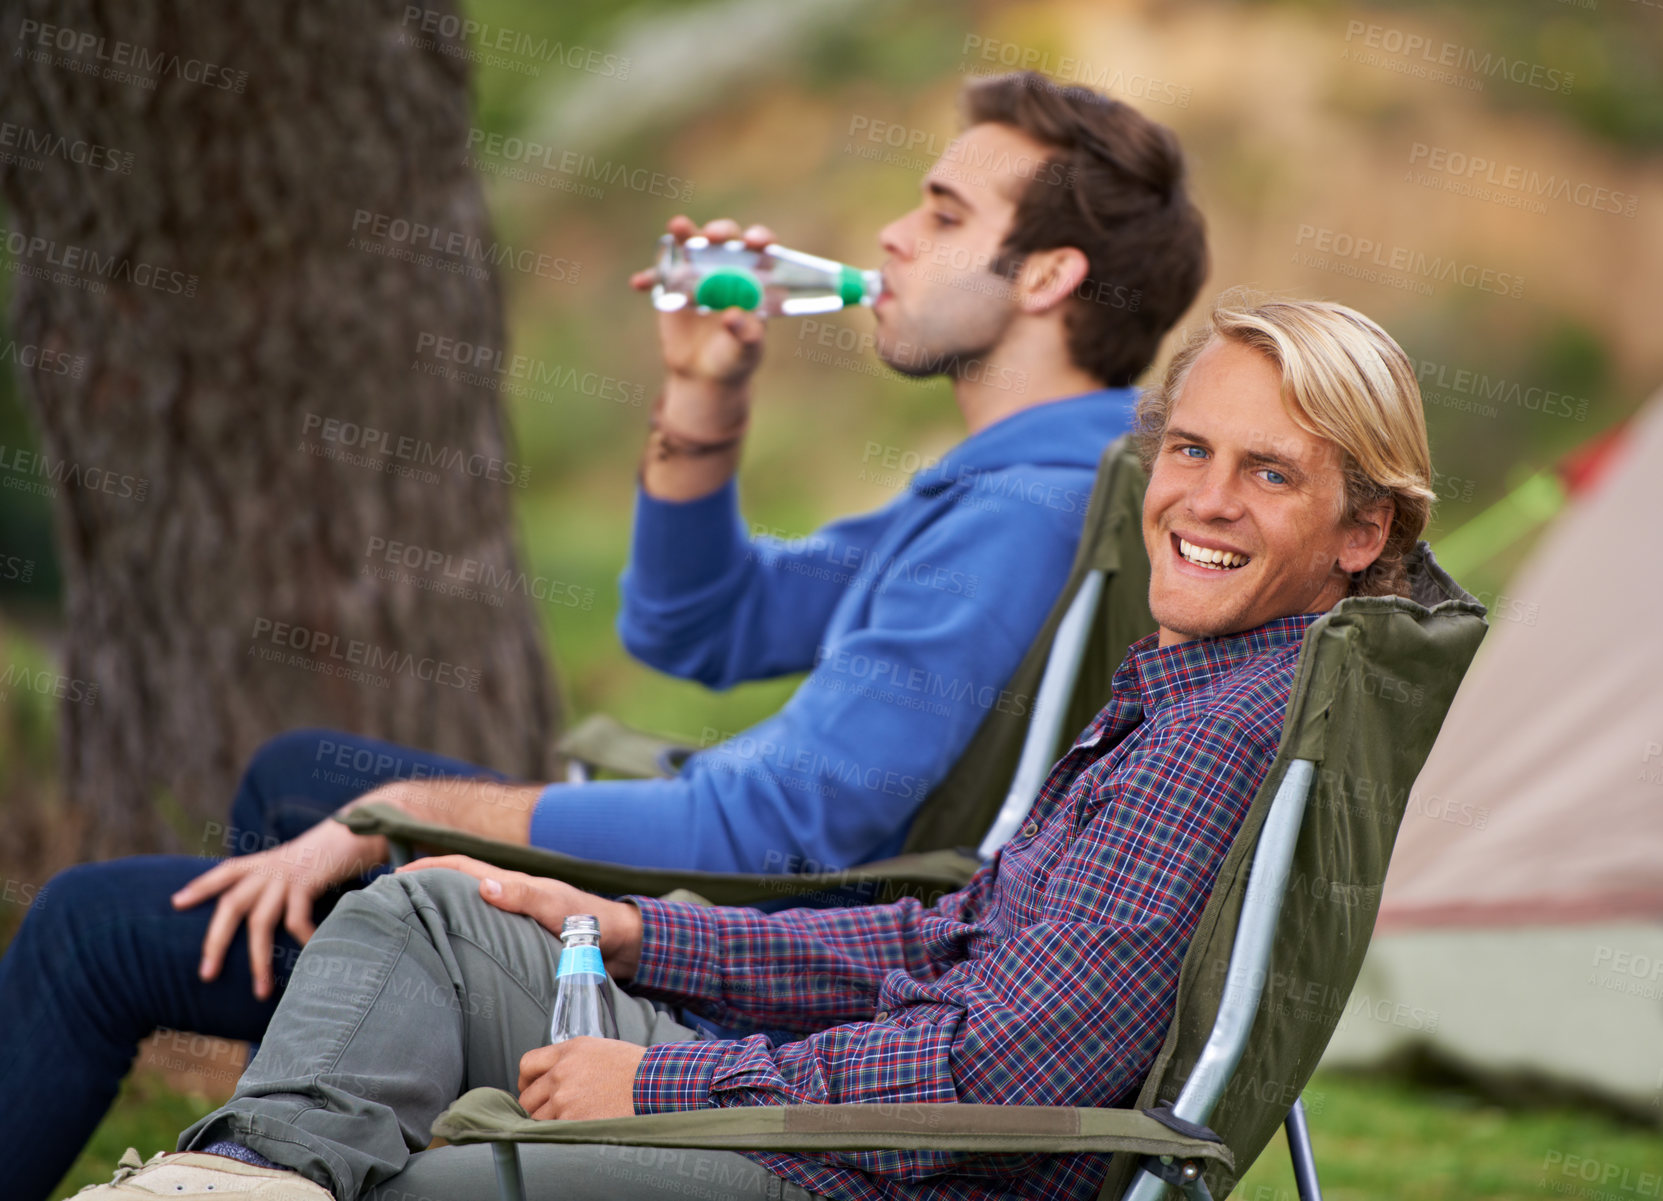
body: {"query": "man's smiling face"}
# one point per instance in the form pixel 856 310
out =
pixel 1244 519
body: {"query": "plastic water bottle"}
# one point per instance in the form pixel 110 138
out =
pixel 773 281
pixel 582 993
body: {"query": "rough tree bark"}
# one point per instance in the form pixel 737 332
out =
pixel 240 410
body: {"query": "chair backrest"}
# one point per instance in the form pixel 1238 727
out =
pixel 1375 678
pixel 964 803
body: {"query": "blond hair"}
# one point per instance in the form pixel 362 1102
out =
pixel 1343 380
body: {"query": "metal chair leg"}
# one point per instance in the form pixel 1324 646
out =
pixel 510 1184
pixel 1299 1148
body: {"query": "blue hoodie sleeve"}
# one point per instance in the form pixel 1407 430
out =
pixel 704 601
pixel 835 777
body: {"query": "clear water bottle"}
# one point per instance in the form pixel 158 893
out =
pixel 582 993
pixel 773 281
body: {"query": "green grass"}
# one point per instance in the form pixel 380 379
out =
pixel 1375 1138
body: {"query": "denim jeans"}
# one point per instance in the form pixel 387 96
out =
pixel 414 991
pixel 102 958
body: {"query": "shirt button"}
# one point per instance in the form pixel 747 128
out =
pixel 881 1016
pixel 1029 830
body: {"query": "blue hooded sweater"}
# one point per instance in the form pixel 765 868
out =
pixel 910 620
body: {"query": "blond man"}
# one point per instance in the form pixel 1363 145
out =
pixel 1288 469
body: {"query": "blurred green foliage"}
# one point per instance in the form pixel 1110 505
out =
pixel 1611 47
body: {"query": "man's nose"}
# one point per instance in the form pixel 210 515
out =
pixel 1216 495
pixel 895 240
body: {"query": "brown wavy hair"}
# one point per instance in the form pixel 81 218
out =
pixel 1114 189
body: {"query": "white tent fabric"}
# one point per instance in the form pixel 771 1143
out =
pixel 1522 919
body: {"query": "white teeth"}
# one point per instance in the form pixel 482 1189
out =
pixel 1220 560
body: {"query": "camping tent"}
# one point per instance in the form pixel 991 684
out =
pixel 1520 934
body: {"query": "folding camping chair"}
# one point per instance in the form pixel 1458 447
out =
pixel 1103 608
pixel 1294 904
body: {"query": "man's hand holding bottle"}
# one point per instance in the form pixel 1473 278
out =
pixel 709 359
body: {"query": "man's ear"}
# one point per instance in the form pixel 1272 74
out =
pixel 1366 538
pixel 1048 277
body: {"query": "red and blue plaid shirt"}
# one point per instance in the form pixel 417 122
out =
pixel 1049 979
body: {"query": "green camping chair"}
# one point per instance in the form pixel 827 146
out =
pixel 1295 901
pixel 1103 608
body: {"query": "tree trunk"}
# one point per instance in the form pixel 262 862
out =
pixel 276 505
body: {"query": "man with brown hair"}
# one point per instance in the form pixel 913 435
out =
pixel 1103 198
pixel 1052 246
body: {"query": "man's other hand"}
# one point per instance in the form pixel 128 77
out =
pixel 272 886
pixel 549 903
pixel 580 1078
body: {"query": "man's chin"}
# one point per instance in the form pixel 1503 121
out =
pixel 913 367
pixel 928 355
pixel 1185 622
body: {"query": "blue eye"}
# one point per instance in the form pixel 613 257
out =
pixel 1199 452
pixel 1275 477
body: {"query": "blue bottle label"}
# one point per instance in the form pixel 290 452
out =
pixel 579 961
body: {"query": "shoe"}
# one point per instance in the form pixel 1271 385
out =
pixel 196 1176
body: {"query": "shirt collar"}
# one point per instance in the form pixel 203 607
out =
pixel 1070 432
pixel 1158 675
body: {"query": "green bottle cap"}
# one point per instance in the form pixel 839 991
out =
pixel 729 288
pixel 851 287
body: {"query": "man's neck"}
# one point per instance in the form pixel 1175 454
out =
pixel 1013 377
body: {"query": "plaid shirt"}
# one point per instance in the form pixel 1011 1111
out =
pixel 1048 980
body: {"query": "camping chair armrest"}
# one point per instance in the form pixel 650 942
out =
pixel 603 743
pixel 926 876
pixel 488 1115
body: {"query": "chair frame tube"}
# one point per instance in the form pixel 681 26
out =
pixel 1056 686
pixel 1299 1150
pixel 510 1183
pixel 1249 961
